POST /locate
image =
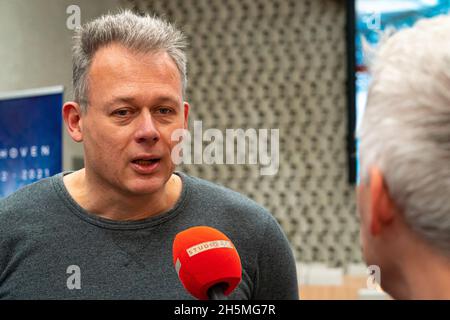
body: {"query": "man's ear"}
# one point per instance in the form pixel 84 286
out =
pixel 186 114
pixel 382 208
pixel 72 112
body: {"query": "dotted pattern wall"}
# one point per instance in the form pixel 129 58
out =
pixel 276 64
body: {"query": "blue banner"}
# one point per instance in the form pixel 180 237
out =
pixel 30 137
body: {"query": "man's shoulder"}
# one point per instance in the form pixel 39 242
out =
pixel 27 199
pixel 216 196
pixel 219 192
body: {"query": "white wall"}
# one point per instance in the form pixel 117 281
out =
pixel 35 47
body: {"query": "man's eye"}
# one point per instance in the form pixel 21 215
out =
pixel 165 110
pixel 122 112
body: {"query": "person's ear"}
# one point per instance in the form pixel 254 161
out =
pixel 382 208
pixel 186 114
pixel 72 118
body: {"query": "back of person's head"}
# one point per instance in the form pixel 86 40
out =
pixel 405 130
pixel 143 34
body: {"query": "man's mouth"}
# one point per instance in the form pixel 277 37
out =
pixel 146 162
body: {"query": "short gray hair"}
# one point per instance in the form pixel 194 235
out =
pixel 138 33
pixel 405 129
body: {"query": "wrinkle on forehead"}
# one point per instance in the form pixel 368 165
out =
pixel 116 68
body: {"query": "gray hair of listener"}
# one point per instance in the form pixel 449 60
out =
pixel 405 129
pixel 143 34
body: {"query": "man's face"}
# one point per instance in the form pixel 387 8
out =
pixel 135 103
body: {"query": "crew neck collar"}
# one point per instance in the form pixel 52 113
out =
pixel 94 219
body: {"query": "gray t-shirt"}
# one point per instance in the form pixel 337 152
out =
pixel 51 248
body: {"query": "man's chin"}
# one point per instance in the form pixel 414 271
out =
pixel 144 190
pixel 146 186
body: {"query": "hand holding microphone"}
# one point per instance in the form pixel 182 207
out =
pixel 207 263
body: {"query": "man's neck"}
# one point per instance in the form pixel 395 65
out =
pixel 422 273
pixel 111 204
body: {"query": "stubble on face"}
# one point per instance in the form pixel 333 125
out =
pixel 122 80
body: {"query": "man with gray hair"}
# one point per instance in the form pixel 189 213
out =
pixel 106 231
pixel 404 191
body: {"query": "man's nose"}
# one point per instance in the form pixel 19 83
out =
pixel 147 131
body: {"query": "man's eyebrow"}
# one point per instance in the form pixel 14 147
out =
pixel 122 99
pixel 133 100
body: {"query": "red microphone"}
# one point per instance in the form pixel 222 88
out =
pixel 207 262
